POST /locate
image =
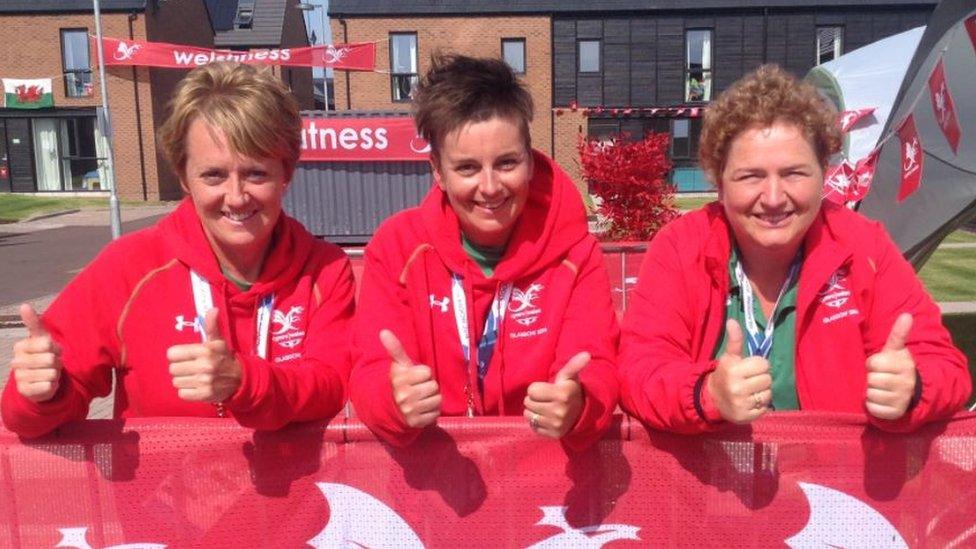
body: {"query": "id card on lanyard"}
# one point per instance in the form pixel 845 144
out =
pixel 490 334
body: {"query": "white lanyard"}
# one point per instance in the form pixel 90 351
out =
pixel 499 304
pixel 757 346
pixel 203 302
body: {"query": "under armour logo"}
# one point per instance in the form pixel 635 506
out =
pixel 441 303
pixel 182 323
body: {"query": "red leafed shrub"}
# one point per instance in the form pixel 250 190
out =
pixel 630 178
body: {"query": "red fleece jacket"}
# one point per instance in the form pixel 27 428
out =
pixel 853 285
pixel 560 306
pixel 134 301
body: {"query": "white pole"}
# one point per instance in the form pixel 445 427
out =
pixel 115 215
pixel 325 72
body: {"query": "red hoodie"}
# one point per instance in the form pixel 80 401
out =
pixel 560 306
pixel 134 301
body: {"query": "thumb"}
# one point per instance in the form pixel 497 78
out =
pixel 395 349
pixel 733 339
pixel 899 333
pixel 573 367
pixel 32 321
pixel 211 325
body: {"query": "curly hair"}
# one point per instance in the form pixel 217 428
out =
pixel 759 99
pixel 252 107
pixel 459 89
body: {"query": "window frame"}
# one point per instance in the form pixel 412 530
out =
pixel 68 73
pixel 514 40
pixel 838 49
pixel 599 55
pixel 414 76
pixel 710 71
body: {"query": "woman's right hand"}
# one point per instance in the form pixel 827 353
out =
pixel 36 365
pixel 415 391
pixel 741 388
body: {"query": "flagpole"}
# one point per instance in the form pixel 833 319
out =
pixel 115 215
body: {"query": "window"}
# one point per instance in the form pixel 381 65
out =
pixel 830 43
pixel 698 67
pixel 685 133
pixel 245 14
pixel 513 52
pixel 589 55
pixel 74 59
pixel 403 65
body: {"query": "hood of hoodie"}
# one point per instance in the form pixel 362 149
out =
pixel 291 245
pixel 552 221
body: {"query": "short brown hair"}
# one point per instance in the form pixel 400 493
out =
pixel 760 98
pixel 459 89
pixel 253 108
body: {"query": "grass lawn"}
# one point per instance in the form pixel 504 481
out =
pixel 692 202
pixel 960 237
pixel 949 274
pixel 17 207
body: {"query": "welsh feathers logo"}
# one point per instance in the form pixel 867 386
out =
pixel 835 292
pixel 839 520
pixel 523 304
pixel 334 55
pixel 287 332
pixel 125 51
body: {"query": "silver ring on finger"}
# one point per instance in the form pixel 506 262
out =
pixel 757 402
pixel 534 422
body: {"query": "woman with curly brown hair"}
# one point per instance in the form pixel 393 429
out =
pixel 770 299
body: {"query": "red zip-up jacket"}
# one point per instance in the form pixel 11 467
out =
pixel 134 301
pixel 853 285
pixel 560 306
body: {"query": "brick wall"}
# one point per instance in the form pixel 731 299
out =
pixel 476 36
pixel 36 53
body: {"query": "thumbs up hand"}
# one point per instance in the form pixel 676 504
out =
pixel 415 391
pixel 205 371
pixel 740 387
pixel 891 373
pixel 36 364
pixel 553 408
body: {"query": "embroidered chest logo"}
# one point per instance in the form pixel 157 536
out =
pixel 522 306
pixel 285 331
pixel 836 294
pixel 182 322
pixel 441 304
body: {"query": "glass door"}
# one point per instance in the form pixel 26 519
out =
pixel 47 154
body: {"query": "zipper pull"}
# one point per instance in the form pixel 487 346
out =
pixel 467 391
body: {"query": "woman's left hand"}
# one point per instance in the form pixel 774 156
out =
pixel 891 374
pixel 205 371
pixel 553 408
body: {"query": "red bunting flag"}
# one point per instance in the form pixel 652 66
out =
pixel 355 57
pixel 848 119
pixel 942 104
pixel 837 181
pixel 863 175
pixel 971 29
pixel 911 158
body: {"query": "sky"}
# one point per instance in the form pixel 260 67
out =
pixel 313 22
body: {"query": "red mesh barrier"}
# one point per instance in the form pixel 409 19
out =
pixel 801 479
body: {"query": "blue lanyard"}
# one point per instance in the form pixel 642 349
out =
pixel 760 344
pixel 489 337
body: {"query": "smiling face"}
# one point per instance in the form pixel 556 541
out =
pixel 237 198
pixel 771 190
pixel 485 169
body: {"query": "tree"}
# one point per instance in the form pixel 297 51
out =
pixel 630 178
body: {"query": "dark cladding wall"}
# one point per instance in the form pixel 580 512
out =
pixel 643 56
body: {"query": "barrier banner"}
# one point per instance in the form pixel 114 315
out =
pixel 350 57
pixel 790 479
pixel 379 139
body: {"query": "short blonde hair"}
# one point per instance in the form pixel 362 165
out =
pixel 759 99
pixel 253 108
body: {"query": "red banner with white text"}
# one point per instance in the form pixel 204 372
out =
pixel 362 139
pixel 790 479
pixel 350 57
